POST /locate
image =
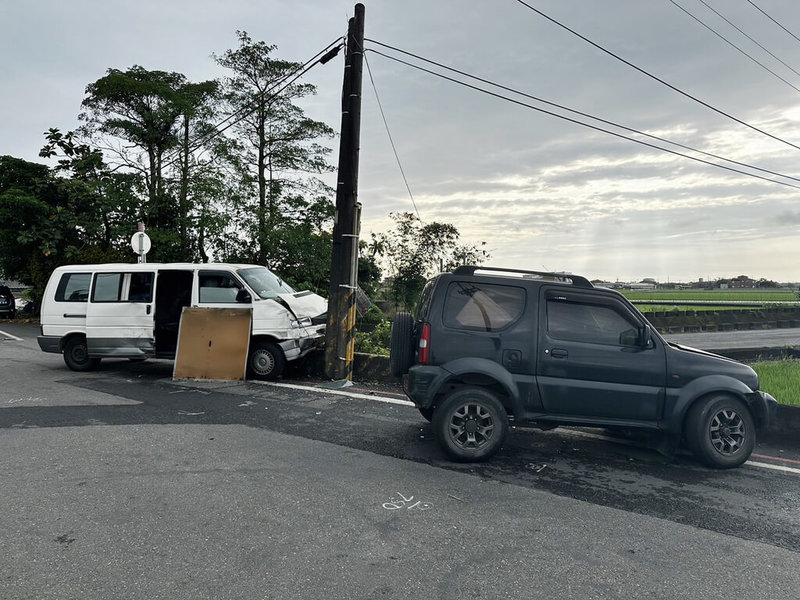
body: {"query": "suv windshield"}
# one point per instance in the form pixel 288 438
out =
pixel 264 282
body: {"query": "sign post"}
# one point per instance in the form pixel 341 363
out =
pixel 140 243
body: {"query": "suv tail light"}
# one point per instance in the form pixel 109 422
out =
pixel 424 345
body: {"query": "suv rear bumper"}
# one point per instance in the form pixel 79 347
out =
pixel 421 384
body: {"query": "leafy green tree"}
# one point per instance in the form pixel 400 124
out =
pixel 414 251
pixel 147 120
pixel 281 155
pixel 46 221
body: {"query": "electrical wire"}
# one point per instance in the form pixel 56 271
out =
pixel 732 45
pixel 391 140
pixel 759 9
pixel 583 114
pixel 744 33
pixel 577 122
pixel 658 79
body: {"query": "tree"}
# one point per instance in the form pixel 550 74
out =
pixel 280 155
pixel 47 221
pixel 139 116
pixel 414 251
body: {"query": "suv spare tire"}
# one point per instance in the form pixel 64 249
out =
pixel 401 349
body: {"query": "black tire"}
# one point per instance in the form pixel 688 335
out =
pixel 266 361
pixel 720 431
pixel 471 424
pixel 401 349
pixel 76 355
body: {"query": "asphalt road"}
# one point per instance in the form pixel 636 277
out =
pixel 123 483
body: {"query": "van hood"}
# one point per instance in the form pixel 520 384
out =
pixel 304 304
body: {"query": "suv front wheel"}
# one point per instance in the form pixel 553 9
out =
pixel 720 431
pixel 471 424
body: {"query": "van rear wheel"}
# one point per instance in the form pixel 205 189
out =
pixel 266 361
pixel 76 355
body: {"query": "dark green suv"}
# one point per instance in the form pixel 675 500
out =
pixel 547 349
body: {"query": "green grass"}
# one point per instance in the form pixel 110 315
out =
pixel 765 296
pixel 781 378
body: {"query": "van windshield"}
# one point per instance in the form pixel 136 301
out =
pixel 264 282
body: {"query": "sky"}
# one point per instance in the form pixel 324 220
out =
pixel 542 192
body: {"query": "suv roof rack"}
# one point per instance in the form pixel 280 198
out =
pixel 575 280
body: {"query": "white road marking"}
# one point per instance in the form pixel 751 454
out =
pixel 761 465
pixel 293 386
pixel 10 337
pixel 572 432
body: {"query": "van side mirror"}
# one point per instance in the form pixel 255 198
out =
pixel 243 296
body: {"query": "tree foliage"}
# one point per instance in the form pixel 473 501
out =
pixel 414 251
pixel 280 155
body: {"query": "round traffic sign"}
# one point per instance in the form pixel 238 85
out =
pixel 140 242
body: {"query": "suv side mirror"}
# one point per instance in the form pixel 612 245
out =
pixel 243 296
pixel 645 336
pixel 640 337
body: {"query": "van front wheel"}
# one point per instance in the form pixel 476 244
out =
pixel 266 361
pixel 76 355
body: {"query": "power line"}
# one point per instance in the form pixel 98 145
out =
pixel 656 78
pixel 583 114
pixel 734 46
pixel 577 122
pixel 391 141
pixel 740 30
pixel 759 9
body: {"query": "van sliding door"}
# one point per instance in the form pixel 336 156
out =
pixel 119 316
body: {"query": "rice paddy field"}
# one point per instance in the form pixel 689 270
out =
pixel 703 300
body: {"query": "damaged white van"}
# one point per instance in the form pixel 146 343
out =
pixel 90 312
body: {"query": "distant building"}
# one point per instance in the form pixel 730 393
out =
pixel 743 282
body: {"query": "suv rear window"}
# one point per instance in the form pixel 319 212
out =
pixel 482 306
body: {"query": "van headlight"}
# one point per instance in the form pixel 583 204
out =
pixel 301 322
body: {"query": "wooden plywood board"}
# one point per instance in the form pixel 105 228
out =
pixel 213 344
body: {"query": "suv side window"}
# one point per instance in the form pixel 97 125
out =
pixel 482 306
pixel 73 287
pixel 217 286
pixel 581 321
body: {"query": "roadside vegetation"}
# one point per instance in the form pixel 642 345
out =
pixel 780 378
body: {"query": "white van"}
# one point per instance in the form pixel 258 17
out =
pixel 91 312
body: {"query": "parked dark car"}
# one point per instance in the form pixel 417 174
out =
pixel 549 349
pixel 8 307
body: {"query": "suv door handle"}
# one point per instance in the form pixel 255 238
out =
pixel 557 353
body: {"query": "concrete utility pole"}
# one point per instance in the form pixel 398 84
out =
pixel 340 339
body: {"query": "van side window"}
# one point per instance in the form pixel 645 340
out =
pixel 107 287
pixel 141 287
pixel 123 287
pixel 217 287
pixel 482 306
pixel 73 287
pixel 585 322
